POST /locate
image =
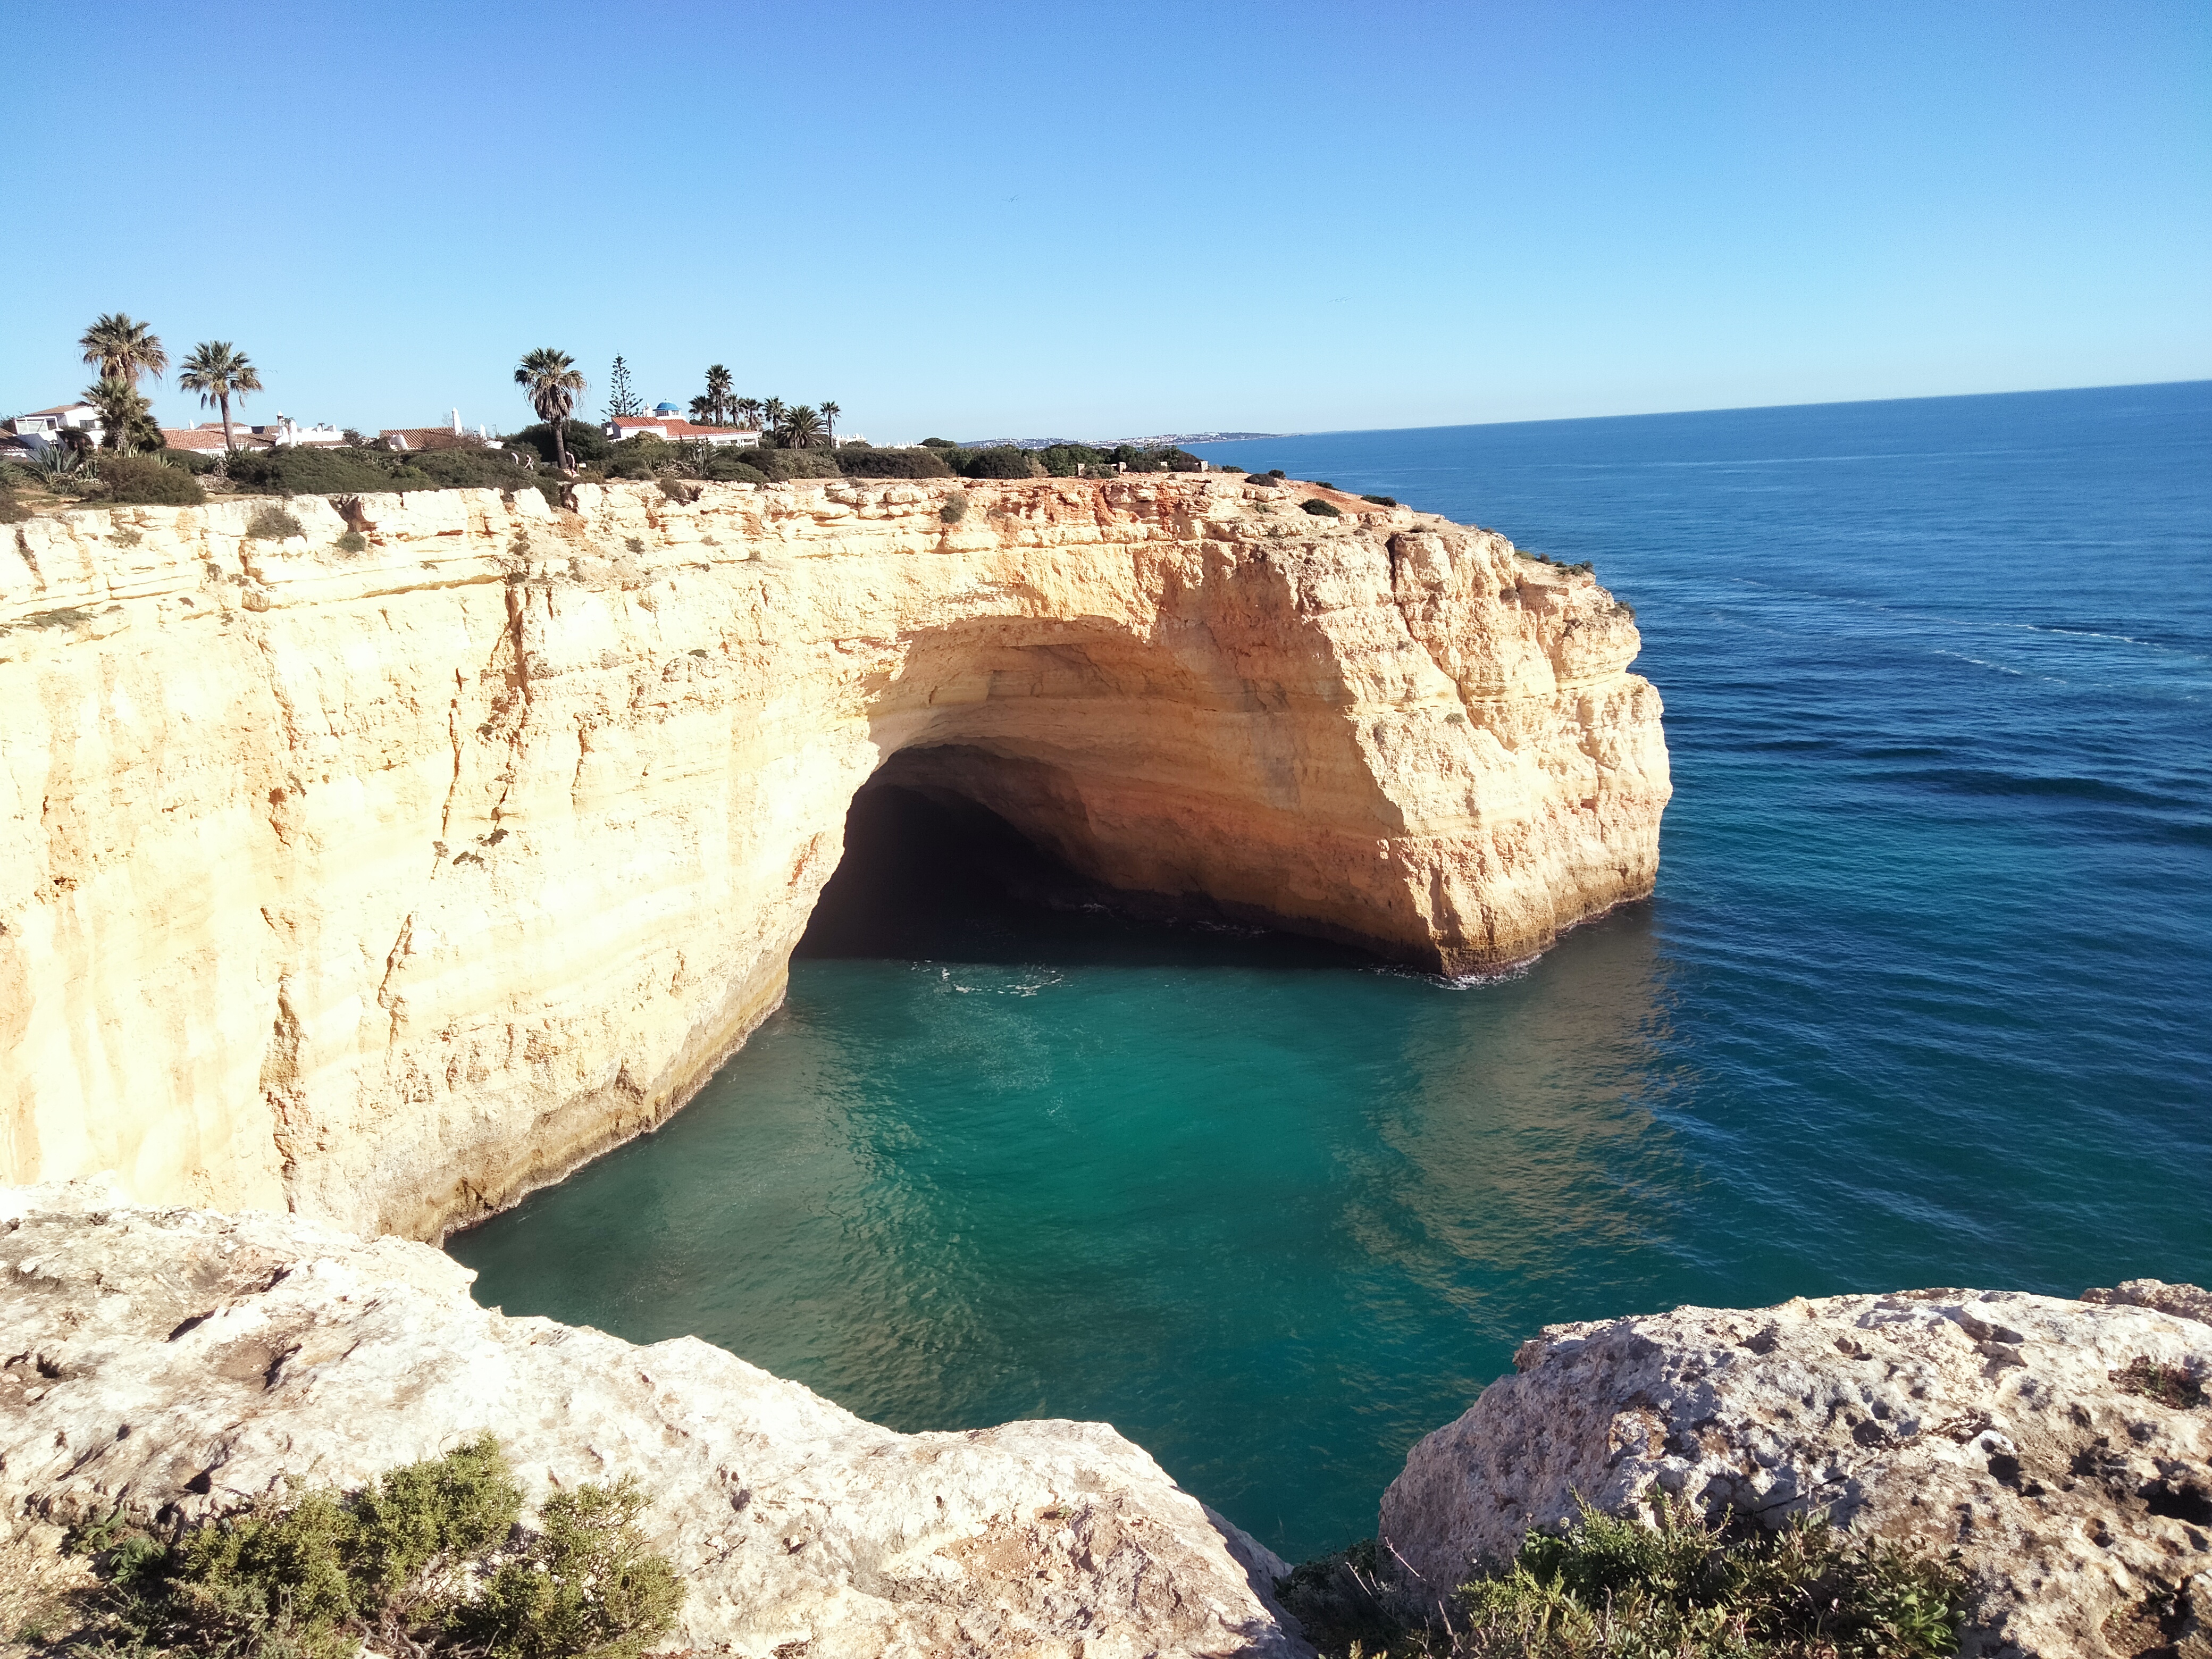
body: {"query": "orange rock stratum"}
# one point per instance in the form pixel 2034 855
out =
pixel 389 885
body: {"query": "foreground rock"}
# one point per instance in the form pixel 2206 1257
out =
pixel 181 1363
pixel 385 885
pixel 2063 1449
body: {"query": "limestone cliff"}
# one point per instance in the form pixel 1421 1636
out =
pixel 388 884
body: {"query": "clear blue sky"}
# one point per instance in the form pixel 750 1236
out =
pixel 1014 220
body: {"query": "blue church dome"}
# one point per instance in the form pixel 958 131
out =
pixel 666 409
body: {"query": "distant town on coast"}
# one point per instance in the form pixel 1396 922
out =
pixel 106 446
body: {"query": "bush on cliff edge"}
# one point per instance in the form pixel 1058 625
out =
pixel 1679 1588
pixel 142 481
pixel 425 1560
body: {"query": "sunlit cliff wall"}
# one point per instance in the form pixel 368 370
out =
pixel 389 885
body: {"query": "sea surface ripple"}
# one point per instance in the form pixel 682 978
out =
pixel 1924 997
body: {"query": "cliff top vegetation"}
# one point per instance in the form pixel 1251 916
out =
pixel 1679 1587
pixel 429 1560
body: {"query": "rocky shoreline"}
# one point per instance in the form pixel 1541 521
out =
pixel 174 1364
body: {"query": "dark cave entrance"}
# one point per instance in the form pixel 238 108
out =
pixel 930 875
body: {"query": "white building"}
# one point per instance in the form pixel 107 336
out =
pixel 666 423
pixel 454 435
pixel 48 423
pixel 284 432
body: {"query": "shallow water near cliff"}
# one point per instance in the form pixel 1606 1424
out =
pixel 1924 997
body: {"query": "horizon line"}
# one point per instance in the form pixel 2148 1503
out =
pixel 1727 409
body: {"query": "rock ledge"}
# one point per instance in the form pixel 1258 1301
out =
pixel 2063 1449
pixel 180 1364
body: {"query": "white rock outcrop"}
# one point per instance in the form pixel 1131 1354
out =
pixel 2063 1449
pixel 386 886
pixel 179 1364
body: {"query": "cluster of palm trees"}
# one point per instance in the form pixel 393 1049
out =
pixel 551 380
pixel 124 351
pixel 786 426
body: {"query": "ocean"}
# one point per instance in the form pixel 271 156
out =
pixel 1924 996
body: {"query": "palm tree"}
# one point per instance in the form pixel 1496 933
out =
pixel 772 415
pixel 748 411
pixel 703 410
pixel 718 390
pixel 123 349
pixel 124 415
pixel 219 371
pixel 801 429
pixel 550 379
pixel 829 414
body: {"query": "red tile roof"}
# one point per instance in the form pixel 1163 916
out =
pixel 670 426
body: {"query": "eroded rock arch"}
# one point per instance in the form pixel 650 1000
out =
pixel 388 886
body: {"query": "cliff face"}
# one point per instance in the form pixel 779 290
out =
pixel 391 884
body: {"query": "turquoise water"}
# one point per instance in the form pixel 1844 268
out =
pixel 1924 996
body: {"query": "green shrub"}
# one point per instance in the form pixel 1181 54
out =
pixel 728 465
pixel 197 462
pixel 1067 460
pixel 1001 461
pixel 1339 1601
pixel 11 510
pixel 466 468
pixel 299 471
pixel 2170 1385
pixel 425 1560
pixel 352 542
pixel 1320 508
pixel 273 524
pixel 939 443
pixel 774 465
pixel 1681 1585
pixel 892 464
pixel 1679 1588
pixel 588 444
pixel 143 481
pixel 589 1586
pixel 642 457
pixel 1381 501
pixel 954 510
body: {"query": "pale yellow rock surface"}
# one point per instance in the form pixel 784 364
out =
pixel 173 1365
pixel 388 886
pixel 2063 1449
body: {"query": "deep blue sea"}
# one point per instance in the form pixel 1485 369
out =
pixel 1924 996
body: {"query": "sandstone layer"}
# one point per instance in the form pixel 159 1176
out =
pixel 2062 1448
pixel 177 1364
pixel 383 885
